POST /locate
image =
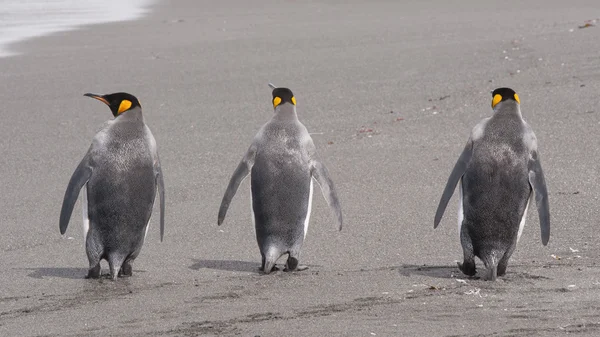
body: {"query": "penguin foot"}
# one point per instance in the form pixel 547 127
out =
pixel 467 268
pixel 291 264
pixel 126 270
pixel 300 267
pixel 94 272
pixel 275 268
pixel 502 269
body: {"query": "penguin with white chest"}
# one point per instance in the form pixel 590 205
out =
pixel 282 163
pixel 497 173
pixel 119 175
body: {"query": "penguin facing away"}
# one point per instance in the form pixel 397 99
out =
pixel 497 173
pixel 119 175
pixel 282 163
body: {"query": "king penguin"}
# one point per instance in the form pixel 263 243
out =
pixel 282 162
pixel 119 175
pixel 498 172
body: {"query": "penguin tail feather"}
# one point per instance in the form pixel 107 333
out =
pixel 270 259
pixel 492 267
pixel 115 266
pixel 269 264
pixel 492 273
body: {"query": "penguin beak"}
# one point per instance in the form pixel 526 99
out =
pixel 98 97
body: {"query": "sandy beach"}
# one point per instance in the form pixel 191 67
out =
pixel 390 91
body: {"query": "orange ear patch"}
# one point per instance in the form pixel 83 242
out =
pixel 124 106
pixel 496 100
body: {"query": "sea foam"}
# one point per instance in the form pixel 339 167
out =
pixel 25 19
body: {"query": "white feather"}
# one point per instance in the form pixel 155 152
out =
pixel 252 209
pixel 307 219
pixel 84 211
pixel 147 227
pixel 522 224
pixel 461 213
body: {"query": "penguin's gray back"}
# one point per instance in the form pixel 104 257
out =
pixel 121 191
pixel 281 182
pixel 495 185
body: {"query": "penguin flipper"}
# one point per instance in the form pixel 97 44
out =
pixel 321 175
pixel 240 173
pixel 538 184
pixel 161 190
pixel 459 170
pixel 79 178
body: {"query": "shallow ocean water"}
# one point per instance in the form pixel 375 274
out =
pixel 25 19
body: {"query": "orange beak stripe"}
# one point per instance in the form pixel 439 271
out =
pixel 101 99
pixel 98 97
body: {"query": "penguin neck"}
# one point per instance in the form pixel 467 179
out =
pixel 134 114
pixel 508 108
pixel 285 111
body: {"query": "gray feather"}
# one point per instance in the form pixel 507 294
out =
pixel 538 184
pixel 241 172
pixel 455 176
pixel 79 178
pixel 320 173
pixel 161 190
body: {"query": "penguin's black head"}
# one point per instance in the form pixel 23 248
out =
pixel 118 102
pixel 283 95
pixel 504 94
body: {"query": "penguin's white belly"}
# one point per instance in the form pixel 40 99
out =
pixel 461 211
pixel 84 209
pixel 307 219
pixel 522 223
pixel 147 227
pixel 252 211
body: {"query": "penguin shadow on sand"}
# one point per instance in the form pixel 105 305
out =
pixel 516 274
pixel 233 265
pixel 68 273
pixel 227 265
pixel 446 272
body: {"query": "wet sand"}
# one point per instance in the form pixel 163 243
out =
pixel 390 92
